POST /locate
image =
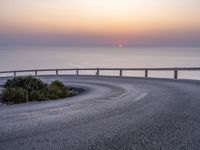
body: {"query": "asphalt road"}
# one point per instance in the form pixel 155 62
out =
pixel 112 114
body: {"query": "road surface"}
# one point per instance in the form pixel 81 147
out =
pixel 112 114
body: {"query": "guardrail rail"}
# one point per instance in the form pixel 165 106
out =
pixel 98 70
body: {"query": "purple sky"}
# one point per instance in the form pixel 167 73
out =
pixel 100 22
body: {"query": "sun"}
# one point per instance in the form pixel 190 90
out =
pixel 120 46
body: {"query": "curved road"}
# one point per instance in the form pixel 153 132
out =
pixel 112 114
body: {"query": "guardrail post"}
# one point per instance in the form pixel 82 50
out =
pixel 35 72
pixel 97 73
pixel 175 74
pixel 57 72
pixel 146 73
pixel 121 72
pixel 77 72
pixel 15 74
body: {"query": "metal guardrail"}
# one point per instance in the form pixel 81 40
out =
pixel 146 70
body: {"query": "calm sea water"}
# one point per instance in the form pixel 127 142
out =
pixel 16 58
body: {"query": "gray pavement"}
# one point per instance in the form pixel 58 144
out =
pixel 112 114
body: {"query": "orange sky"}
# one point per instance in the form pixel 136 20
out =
pixel 113 18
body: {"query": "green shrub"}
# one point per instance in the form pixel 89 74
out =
pixel 24 89
pixel 34 95
pixel 57 90
pixel 15 95
pixel 38 95
pixel 28 83
pixel 57 84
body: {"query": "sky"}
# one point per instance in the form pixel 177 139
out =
pixel 100 22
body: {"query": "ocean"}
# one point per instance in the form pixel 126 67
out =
pixel 18 58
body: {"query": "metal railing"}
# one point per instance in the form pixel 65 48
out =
pixel 98 70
